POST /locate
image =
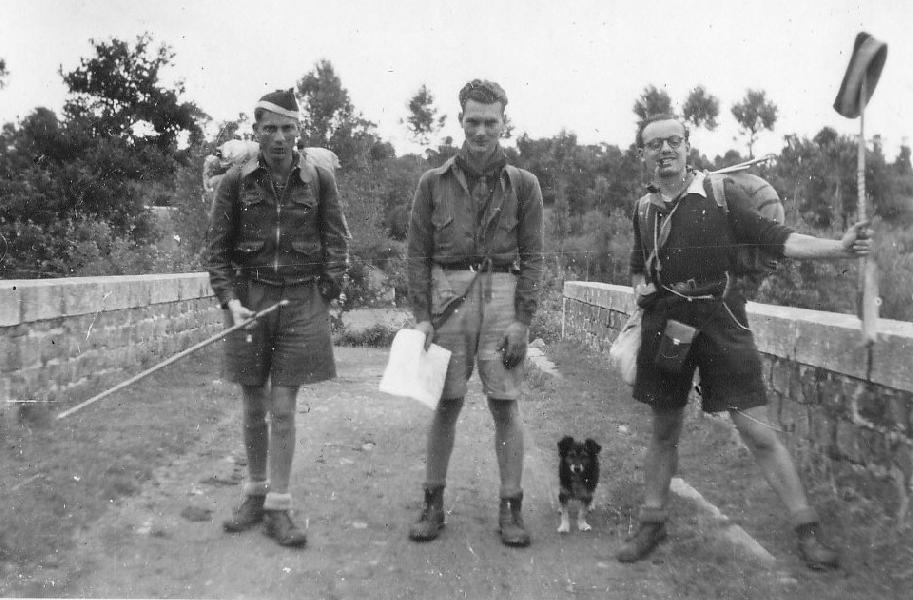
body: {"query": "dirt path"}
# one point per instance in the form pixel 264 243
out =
pixel 356 482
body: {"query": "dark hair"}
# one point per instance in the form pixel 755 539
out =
pixel 639 139
pixel 484 91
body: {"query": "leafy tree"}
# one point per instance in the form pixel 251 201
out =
pixel 701 109
pixel 3 73
pixel 330 120
pixel 652 101
pixel 902 163
pixel 423 121
pixel 119 87
pixel 754 113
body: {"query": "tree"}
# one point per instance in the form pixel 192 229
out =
pixel 652 101
pixel 754 113
pixel 330 120
pixel 3 73
pixel 119 87
pixel 701 109
pixel 423 121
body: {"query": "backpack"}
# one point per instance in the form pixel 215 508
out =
pixel 750 264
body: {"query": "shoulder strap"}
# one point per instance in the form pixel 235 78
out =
pixel 718 188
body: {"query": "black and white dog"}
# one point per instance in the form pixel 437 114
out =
pixel 578 474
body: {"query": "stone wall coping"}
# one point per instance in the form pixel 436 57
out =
pixel 28 300
pixel 831 341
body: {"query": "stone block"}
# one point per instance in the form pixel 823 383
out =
pixel 892 355
pixel 193 285
pixel 774 329
pixel 10 303
pixel 165 288
pixel 830 341
pixel 87 295
pixel 41 299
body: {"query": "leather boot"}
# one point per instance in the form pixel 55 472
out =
pixel 431 520
pixel 813 551
pixel 248 514
pixel 645 539
pixel 510 522
pixel 278 525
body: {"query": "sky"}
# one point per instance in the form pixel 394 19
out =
pixel 575 65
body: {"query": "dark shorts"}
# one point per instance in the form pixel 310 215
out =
pixel 290 346
pixel 724 353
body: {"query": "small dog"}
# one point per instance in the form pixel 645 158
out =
pixel 578 474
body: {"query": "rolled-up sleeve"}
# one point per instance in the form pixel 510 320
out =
pixel 221 238
pixel 529 246
pixel 334 231
pixel 419 248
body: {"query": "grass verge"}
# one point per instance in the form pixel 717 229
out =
pixel 591 401
pixel 60 476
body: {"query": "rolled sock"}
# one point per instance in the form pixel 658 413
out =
pixel 276 501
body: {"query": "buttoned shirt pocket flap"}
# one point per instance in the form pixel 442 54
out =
pixel 303 196
pixel 250 196
pixel 250 247
pixel 306 246
pixel 442 214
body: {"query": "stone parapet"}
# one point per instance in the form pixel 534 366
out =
pixel 62 340
pixel 840 412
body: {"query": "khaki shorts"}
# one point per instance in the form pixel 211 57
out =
pixel 475 330
pixel 288 347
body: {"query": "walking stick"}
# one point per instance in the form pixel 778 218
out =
pixel 868 277
pixel 172 359
pixel 856 89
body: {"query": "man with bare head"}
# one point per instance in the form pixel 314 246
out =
pixel 475 265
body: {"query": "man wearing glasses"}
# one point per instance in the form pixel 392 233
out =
pixel 688 280
pixel 476 232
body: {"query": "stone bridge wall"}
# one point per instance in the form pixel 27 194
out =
pixel 63 340
pixel 838 421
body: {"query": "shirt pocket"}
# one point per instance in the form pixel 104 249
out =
pixel 307 254
pixel 444 229
pixel 247 250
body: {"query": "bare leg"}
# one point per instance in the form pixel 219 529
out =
pixel 439 445
pixel 662 457
pixel 281 437
pixel 508 445
pixel 256 442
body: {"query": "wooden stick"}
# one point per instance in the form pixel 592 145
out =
pixel 868 276
pixel 172 359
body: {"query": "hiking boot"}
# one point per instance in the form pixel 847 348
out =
pixel 510 522
pixel 248 514
pixel 431 520
pixel 813 551
pixel 278 525
pixel 644 540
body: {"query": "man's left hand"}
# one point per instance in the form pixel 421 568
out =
pixel 857 241
pixel 513 344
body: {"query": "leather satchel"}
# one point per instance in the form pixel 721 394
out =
pixel 674 346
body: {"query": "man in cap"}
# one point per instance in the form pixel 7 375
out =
pixel 277 233
pixel 474 268
pixel 688 280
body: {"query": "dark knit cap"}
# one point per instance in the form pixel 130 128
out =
pixel 866 63
pixel 281 102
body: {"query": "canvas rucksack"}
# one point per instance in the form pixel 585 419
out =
pixel 751 263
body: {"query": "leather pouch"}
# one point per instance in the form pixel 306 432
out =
pixel 674 346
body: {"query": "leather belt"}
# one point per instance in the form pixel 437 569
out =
pixel 692 287
pixel 475 265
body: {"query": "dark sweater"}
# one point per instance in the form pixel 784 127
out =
pixel 700 242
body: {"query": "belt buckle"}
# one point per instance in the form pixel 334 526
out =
pixel 692 284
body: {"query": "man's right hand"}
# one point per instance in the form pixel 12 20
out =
pixel 239 314
pixel 428 329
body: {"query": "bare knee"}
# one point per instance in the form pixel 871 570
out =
pixel 504 412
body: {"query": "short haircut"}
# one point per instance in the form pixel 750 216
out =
pixel 639 140
pixel 484 91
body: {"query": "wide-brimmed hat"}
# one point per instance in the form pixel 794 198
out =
pixel 866 63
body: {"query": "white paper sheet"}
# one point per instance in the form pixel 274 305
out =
pixel 413 371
